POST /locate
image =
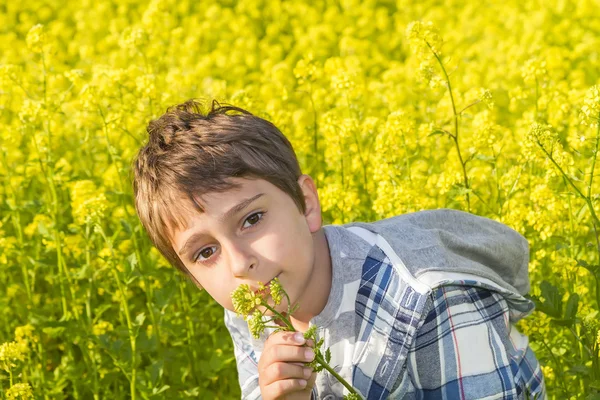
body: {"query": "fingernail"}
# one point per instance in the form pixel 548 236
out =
pixel 309 354
pixel 307 372
pixel 302 382
pixel 299 337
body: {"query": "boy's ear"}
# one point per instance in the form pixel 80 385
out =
pixel 313 206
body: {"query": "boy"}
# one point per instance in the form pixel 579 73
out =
pixel 419 306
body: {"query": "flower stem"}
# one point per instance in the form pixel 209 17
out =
pixel 455 136
pixel 337 376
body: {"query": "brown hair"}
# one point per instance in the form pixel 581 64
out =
pixel 190 153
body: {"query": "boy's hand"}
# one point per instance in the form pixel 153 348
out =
pixel 281 370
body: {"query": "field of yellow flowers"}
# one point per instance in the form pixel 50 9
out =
pixel 393 106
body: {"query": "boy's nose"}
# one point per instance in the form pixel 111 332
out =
pixel 243 262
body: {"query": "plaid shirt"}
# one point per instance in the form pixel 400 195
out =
pixel 439 337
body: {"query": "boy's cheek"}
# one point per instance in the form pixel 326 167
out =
pixel 219 286
pixel 223 297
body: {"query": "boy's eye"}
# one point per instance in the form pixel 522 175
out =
pixel 253 219
pixel 205 253
pixel 208 252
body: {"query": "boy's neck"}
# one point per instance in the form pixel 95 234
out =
pixel 313 302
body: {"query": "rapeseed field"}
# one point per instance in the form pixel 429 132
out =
pixel 393 106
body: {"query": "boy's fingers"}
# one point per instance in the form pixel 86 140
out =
pixel 282 371
pixel 312 379
pixel 289 338
pixel 287 353
pixel 283 387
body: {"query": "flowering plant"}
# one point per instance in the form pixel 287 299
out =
pixel 254 305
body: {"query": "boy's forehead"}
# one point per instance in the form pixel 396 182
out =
pixel 220 205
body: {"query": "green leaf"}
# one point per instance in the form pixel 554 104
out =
pixel 100 310
pixel 162 389
pixel 594 269
pixel 54 332
pixel 133 261
pixel 571 308
pixel 483 157
pixel 595 385
pixel 140 318
pixel 126 226
pixel 583 263
pixel 156 371
pixel 436 132
pixel 552 304
pixel 163 296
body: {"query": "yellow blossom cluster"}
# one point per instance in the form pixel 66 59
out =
pixel 86 202
pixel 20 391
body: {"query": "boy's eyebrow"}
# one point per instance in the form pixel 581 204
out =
pixel 228 214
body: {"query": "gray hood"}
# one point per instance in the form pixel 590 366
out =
pixel 454 241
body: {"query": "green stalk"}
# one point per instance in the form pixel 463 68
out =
pixel 315 135
pixel 54 196
pixel 132 339
pixel 558 365
pixel 16 219
pixel 88 306
pixel 572 275
pixel 455 136
pixel 54 199
pixel 147 287
pixel 125 307
pixel 362 159
pixel 589 193
pixel 88 264
pixel 570 182
pixel 190 331
pixel 588 202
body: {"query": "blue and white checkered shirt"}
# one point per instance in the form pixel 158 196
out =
pixel 446 335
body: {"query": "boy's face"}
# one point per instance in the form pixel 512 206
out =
pixel 251 233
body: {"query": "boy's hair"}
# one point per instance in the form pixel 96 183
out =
pixel 190 153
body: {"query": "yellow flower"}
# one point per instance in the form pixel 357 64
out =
pixel 75 76
pixel 125 247
pixel 132 38
pixel 305 69
pixel 256 324
pixel 25 334
pixel 244 300
pixel 87 203
pixel 32 112
pixel 424 38
pixel 35 38
pixel 590 112
pixel 19 391
pixel 9 353
pixel 74 245
pixel 146 85
pixel 548 372
pixel 534 71
pixel 276 291
pixel 101 328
